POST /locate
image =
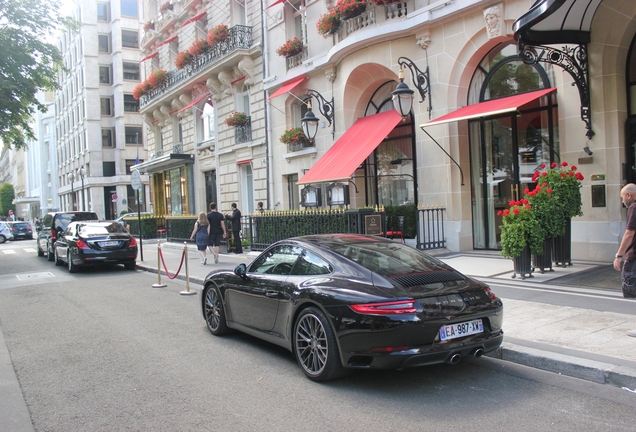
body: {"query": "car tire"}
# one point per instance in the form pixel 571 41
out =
pixel 58 261
pixel 214 312
pixel 2 239
pixel 49 254
pixel 72 268
pixel 315 346
pixel 130 265
pixel 40 251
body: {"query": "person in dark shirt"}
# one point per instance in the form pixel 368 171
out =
pixel 235 218
pixel 217 231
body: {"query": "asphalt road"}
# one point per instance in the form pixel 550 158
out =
pixel 101 351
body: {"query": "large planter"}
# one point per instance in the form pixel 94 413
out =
pixel 523 264
pixel 354 12
pixel 562 247
pixel 543 262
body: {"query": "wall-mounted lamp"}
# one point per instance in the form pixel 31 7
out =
pixel 403 95
pixel 310 122
pixel 587 150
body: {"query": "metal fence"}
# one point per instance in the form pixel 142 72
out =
pixel 430 228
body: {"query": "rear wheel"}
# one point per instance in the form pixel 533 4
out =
pixel 315 346
pixel 40 251
pixel 49 254
pixel 214 312
pixel 58 261
pixel 130 265
pixel 2 239
pixel 72 268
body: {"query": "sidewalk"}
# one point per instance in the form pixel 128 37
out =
pixel 583 343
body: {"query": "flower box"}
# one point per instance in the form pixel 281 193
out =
pixel 290 48
pixel 183 59
pixel 328 24
pixel 198 47
pixel 155 80
pixel 294 136
pixel 236 119
pixel 218 34
pixel 347 9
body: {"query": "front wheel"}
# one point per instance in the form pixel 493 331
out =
pixel 72 268
pixel 315 346
pixel 40 251
pixel 2 239
pixel 49 254
pixel 214 312
pixel 58 261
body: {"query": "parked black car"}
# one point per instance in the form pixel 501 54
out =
pixel 345 301
pixel 52 226
pixel 21 230
pixel 95 243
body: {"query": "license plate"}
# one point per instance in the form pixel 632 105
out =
pixel 453 331
pixel 109 243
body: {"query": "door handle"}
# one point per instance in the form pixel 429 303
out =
pixel 258 290
pixel 271 293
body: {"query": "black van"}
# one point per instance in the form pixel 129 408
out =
pixel 53 225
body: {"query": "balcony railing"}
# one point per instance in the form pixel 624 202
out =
pixel 240 38
pixel 243 133
pixel 354 24
pixel 177 148
pixel 297 59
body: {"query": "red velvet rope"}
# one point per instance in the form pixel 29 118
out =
pixel 166 268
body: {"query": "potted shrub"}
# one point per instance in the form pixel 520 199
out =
pixel 550 218
pixel 157 78
pixel 290 48
pixel 149 25
pixel 198 47
pixel 328 23
pixel 165 7
pixel 236 119
pixel 218 34
pixel 350 8
pixel 293 136
pixel 139 90
pixel 521 236
pixel 183 59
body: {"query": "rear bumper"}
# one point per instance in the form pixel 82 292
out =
pixel 102 257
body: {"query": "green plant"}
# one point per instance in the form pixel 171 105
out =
pixel 291 47
pixel 198 47
pixel 157 79
pixel 328 23
pixel 183 59
pixel 409 212
pixel 218 34
pixel 547 210
pixel 293 136
pixel 520 228
pixel 565 184
pixel 236 119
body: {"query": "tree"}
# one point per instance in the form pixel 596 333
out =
pixel 7 194
pixel 28 63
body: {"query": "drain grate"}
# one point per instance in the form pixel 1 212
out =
pixel 31 276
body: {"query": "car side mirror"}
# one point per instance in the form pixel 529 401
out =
pixel 240 270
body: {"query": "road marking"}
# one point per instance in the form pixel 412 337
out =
pixel 8 251
pixel 31 276
pixel 29 250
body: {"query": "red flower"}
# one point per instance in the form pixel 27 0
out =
pixel 532 193
pixel 544 184
pixel 544 174
pixel 499 213
pixel 528 207
pixel 506 212
pixel 526 190
pixel 579 176
pixel 542 166
pixel 564 164
pixel 573 167
pixel 563 175
pixel 524 201
pixel 516 211
pixel 553 165
pixel 549 190
pixel 571 173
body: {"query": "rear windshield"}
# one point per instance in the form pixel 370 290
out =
pixel 389 259
pixel 97 230
pixel 21 225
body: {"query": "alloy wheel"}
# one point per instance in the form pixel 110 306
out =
pixel 312 348
pixel 214 312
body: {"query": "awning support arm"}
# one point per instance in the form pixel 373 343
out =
pixel 574 61
pixel 447 154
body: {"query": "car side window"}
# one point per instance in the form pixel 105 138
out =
pixel 278 260
pixel 310 264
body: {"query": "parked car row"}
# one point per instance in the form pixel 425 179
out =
pixel 77 239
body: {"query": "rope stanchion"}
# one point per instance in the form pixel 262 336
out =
pixel 159 284
pixel 185 253
pixel 166 268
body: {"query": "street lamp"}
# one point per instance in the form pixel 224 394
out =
pixel 403 95
pixel 82 173
pixel 71 178
pixel 310 121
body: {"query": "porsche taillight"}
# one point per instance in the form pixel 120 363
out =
pixel 386 308
pixel 491 295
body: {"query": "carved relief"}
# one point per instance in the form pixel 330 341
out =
pixel 331 74
pixel 148 118
pixel 493 16
pixel 158 115
pixel 424 41
pixel 215 87
pixel 246 68
pixel 226 79
pixel 165 110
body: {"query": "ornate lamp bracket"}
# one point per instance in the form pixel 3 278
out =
pixel 421 81
pixel 575 62
pixel 326 109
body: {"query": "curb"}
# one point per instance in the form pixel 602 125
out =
pixel 589 370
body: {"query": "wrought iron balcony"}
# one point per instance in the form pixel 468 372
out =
pixel 243 133
pixel 240 38
pixel 177 148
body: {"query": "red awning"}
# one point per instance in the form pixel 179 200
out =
pixel 491 107
pixel 167 41
pixel 194 102
pixel 357 143
pixel 287 87
pixel 244 162
pixel 194 18
pixel 275 3
pixel 148 57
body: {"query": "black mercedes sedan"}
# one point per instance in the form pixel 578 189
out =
pixel 93 243
pixel 344 301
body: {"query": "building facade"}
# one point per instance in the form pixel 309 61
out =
pixel 99 129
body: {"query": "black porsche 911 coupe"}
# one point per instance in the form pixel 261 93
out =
pixel 346 301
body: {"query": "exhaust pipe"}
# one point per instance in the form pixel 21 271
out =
pixel 455 358
pixel 478 353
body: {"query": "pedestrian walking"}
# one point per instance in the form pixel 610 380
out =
pixel 257 220
pixel 626 254
pixel 201 234
pixel 217 231
pixel 235 218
